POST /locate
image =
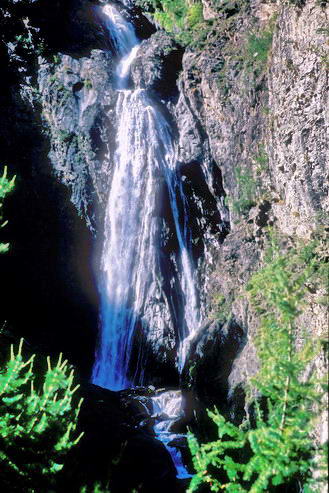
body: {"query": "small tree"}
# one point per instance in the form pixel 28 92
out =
pixel 37 423
pixel 276 446
pixel 6 186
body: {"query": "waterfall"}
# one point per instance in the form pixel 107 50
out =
pixel 144 170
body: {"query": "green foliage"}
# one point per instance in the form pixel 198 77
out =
pixel 6 186
pixel 248 190
pixel 17 20
pixel 275 445
pixel 65 136
pixel 25 40
pixel 323 51
pixel 247 58
pixel 181 18
pixel 37 425
pixel 258 48
pixel 171 14
pixel 87 84
pixel 221 308
pixel 194 15
pixel 213 455
pixel 261 159
pixel 15 24
pixel 96 488
pixel 56 59
pixel 37 421
pixel 53 79
pixel 259 45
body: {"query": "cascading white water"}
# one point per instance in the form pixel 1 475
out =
pixel 131 237
pixel 125 43
pixel 145 158
pixel 167 408
pixel 122 32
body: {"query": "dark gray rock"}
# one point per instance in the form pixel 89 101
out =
pixel 157 64
pixel 77 102
pixel 210 361
pixel 114 442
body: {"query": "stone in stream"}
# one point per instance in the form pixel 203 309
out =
pixel 114 441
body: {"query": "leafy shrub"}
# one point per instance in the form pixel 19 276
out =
pixel 274 446
pixel 6 186
pixel 259 45
pixel 171 14
pixel 16 28
pixel 37 423
pixel 194 15
pixel 261 158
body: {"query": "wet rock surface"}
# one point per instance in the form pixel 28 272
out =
pixel 210 361
pixel 116 439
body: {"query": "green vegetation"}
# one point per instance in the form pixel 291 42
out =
pixel 56 59
pixel 65 136
pixel 37 423
pixel 323 52
pixel 87 84
pixel 221 308
pixel 248 191
pixel 53 78
pixel 274 445
pixel 261 159
pixel 249 57
pixel 38 413
pixel 16 28
pixel 181 18
pixel 6 186
pixel 194 15
pixel 25 41
pixel 258 48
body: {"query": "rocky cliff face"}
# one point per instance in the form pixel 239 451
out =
pixel 76 101
pixel 266 120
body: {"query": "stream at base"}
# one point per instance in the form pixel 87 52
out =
pixel 167 409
